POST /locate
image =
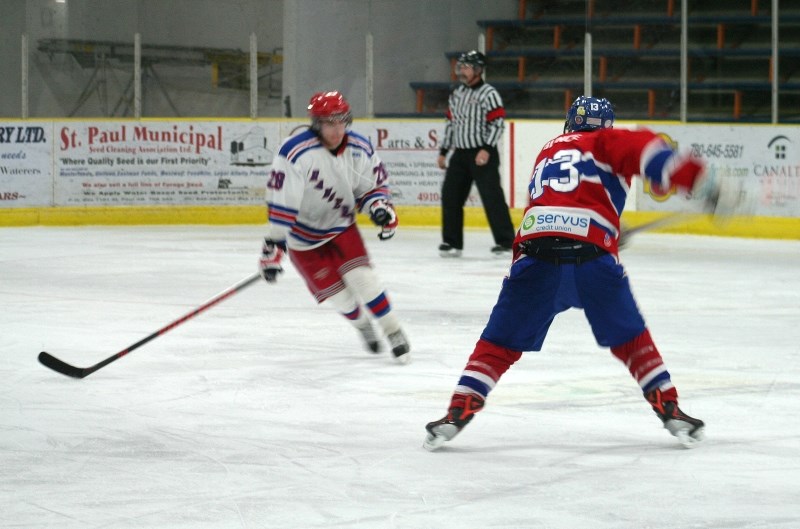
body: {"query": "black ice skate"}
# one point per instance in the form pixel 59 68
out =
pixel 688 430
pixel 400 346
pixel 445 250
pixel 448 426
pixel 501 251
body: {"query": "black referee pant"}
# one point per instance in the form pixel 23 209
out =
pixel 461 172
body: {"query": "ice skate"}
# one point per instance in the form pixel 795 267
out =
pixel 443 430
pixel 501 251
pixel 445 250
pixel 400 346
pixel 688 430
pixel 371 340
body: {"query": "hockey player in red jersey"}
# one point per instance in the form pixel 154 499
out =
pixel 565 256
pixel 320 179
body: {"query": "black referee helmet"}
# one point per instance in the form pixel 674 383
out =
pixel 474 58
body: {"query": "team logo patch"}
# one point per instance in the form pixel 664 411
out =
pixel 528 222
pixel 543 219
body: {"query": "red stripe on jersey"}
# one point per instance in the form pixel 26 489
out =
pixel 275 214
pixel 300 146
pixel 305 234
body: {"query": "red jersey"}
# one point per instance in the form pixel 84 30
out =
pixel 581 180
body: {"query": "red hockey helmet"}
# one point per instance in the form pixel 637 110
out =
pixel 329 106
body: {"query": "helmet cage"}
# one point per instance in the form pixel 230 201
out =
pixel 589 113
pixel 346 118
pixel 473 58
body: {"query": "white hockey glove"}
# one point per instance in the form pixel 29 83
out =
pixel 382 214
pixel 722 198
pixel 270 262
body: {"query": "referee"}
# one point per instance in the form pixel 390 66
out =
pixel 474 124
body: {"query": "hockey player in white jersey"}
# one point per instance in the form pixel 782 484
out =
pixel 320 179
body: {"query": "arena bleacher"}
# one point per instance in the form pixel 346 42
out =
pixel 536 60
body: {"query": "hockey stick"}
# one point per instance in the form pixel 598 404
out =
pixel 627 233
pixel 80 372
pixel 666 220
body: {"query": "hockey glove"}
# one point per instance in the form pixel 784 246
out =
pixel 382 214
pixel 722 198
pixel 270 262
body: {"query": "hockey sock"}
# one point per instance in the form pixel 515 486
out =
pixel 347 305
pixel 363 282
pixel 645 364
pixel 485 366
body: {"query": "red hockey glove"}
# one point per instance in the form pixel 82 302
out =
pixel 270 262
pixel 382 214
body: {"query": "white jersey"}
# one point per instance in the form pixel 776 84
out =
pixel 314 194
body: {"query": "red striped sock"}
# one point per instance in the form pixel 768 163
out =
pixel 485 366
pixel 645 364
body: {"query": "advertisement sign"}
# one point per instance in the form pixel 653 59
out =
pixel 25 169
pixel 409 150
pixel 764 159
pixel 186 162
pixel 162 162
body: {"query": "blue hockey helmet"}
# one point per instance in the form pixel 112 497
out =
pixel 589 113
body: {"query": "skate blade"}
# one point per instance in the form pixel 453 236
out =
pixel 433 442
pixel 691 440
pixel 403 359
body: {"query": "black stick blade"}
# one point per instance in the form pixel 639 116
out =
pixel 62 367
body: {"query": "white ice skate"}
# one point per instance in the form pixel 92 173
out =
pixel 400 346
pixel 370 337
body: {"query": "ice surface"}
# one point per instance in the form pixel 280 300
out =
pixel 265 411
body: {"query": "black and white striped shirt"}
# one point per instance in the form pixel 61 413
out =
pixel 474 118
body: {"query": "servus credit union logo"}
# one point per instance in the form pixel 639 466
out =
pixel 656 192
pixel 552 219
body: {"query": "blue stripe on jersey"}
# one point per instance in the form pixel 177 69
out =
pixel 301 232
pixel 356 140
pixel 306 239
pixel 654 170
pixel 381 192
pixel 316 231
pixel 606 229
pixel 616 192
pixel 475 384
pixel 298 153
pixel 282 222
pixel 292 142
pixel 295 146
pixel 283 209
